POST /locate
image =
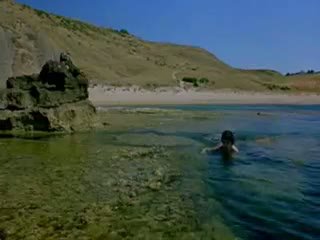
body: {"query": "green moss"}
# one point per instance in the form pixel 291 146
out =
pixel 69 188
pixel 28 134
pixel 114 184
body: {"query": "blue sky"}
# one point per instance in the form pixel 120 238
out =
pixel 278 34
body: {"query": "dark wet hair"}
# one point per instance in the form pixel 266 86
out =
pixel 227 136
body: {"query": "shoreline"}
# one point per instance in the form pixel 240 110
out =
pixel 130 96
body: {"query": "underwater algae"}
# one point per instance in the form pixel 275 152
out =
pixel 102 186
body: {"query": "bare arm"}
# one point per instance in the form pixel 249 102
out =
pixel 213 149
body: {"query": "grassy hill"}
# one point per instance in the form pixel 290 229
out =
pixel 29 37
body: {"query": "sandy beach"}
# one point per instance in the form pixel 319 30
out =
pixel 106 95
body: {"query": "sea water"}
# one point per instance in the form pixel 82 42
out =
pixel 270 190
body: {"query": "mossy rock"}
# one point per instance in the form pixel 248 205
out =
pixel 66 118
pixel 19 99
pixel 54 100
pixel 22 82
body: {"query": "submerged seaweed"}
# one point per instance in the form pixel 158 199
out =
pixel 83 187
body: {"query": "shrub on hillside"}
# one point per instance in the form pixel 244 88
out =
pixel 124 32
pixel 203 80
pixel 192 80
pixel 277 87
pixel 311 71
pixel 285 88
pixel 196 82
pixel 24 6
pixel 41 13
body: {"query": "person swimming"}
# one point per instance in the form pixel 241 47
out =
pixel 226 147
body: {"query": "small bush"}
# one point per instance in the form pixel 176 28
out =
pixel 124 32
pixel 41 13
pixel 24 6
pixel 204 80
pixel 270 86
pixel 196 82
pixel 311 71
pixel 190 80
pixel 277 87
pixel 285 88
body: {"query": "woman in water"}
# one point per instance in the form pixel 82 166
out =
pixel 226 147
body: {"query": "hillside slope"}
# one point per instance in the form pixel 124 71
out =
pixel 29 37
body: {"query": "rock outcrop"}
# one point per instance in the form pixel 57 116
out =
pixel 54 100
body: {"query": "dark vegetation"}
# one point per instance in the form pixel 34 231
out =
pixel 41 13
pixel 196 82
pixel 76 25
pixel 23 6
pixel 309 72
pixel 124 31
pixel 276 87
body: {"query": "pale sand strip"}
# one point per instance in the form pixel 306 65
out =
pixel 135 96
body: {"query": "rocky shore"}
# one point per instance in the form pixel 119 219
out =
pixel 56 100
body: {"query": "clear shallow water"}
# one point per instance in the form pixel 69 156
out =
pixel 271 190
pixel 85 187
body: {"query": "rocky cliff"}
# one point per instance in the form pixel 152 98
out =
pixel 54 100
